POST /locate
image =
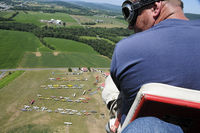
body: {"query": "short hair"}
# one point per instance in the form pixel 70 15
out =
pixel 176 2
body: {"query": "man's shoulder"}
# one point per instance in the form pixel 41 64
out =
pixel 158 31
pixel 157 37
pixel 137 40
pixel 174 23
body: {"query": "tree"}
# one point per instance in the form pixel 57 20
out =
pixel 64 24
pixel 69 69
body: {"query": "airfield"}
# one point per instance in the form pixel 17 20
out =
pixel 54 101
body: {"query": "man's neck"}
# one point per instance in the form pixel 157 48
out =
pixel 169 12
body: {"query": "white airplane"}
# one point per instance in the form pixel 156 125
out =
pixel 67 123
pixel 26 106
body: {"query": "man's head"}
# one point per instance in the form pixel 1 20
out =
pixel 143 14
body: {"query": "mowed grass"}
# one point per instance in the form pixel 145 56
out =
pixel 74 59
pixel 13 46
pixel 35 17
pixel 64 45
pixel 26 87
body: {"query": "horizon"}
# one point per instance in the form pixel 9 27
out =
pixel 195 4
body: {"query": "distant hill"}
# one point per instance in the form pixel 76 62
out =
pixel 192 16
pixel 115 8
pixel 90 5
pixel 97 6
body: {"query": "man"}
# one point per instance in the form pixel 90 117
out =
pixel 165 49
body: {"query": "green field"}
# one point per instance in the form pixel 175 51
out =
pixel 108 21
pixel 18 50
pixel 13 46
pixel 64 45
pixel 6 14
pixel 26 87
pixel 9 78
pixel 44 49
pixel 35 17
pixel 64 60
pixel 90 37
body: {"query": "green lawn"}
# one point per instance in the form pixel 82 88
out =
pixel 35 17
pixel 64 45
pixel 13 46
pixel 64 60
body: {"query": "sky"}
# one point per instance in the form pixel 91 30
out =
pixel 190 6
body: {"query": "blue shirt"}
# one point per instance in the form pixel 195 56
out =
pixel 167 53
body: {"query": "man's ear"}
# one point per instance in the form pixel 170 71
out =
pixel 156 9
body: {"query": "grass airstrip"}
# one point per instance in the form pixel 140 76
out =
pixel 50 108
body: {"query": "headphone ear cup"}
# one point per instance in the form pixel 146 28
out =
pixel 133 19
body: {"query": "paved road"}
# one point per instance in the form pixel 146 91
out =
pixel 32 69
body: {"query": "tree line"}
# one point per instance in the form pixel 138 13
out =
pixel 82 12
pixel 51 9
pixel 10 18
pixel 101 46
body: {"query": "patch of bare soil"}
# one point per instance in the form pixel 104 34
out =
pixel 38 54
pixel 55 53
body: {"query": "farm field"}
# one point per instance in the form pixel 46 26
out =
pixel 107 22
pixel 51 108
pixel 6 14
pixel 23 49
pixel 93 38
pixel 68 53
pixel 70 59
pixel 13 46
pixel 64 45
pixel 35 17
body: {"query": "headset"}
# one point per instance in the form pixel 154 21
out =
pixel 130 9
